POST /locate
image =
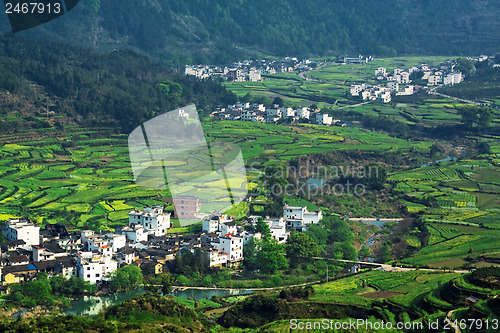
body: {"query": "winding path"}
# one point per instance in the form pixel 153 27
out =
pixel 452 324
pixel 181 288
pixel 390 268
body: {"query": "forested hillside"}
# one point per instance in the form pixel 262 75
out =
pixel 69 84
pixel 207 31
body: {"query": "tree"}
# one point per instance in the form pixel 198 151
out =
pixel 349 252
pixel 172 90
pixel 126 278
pixel 207 281
pixel 299 246
pixel 375 177
pixel 263 228
pixel 337 228
pixel 416 75
pixel 278 101
pixel 161 284
pixel 148 268
pixel 271 256
pixel 475 117
pixel 435 149
pixel 250 255
pixel 383 254
pixel 364 252
pixel 247 98
pixel 318 233
pixel 483 148
pixel 32 293
pixel 466 66
pixel 275 207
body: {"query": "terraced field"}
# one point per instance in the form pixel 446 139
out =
pixel 461 190
pixel 450 244
pixel 85 183
pixel 409 297
pixel 278 142
pixel 405 286
pixel 88 183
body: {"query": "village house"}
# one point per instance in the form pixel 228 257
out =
pixel 232 246
pixel 22 229
pixel 298 218
pixel 213 257
pixel 187 207
pixel 152 219
pixel 303 112
pixel 92 266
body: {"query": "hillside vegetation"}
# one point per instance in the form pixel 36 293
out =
pixel 203 31
pixel 120 89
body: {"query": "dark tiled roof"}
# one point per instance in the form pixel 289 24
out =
pixel 66 261
pixel 14 243
pixel 53 247
pixel 16 269
pixel 45 265
pixel 18 258
pixel 126 250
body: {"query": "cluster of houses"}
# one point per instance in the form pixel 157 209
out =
pixel 236 74
pixel 249 70
pixel 371 92
pixel 259 113
pixel 144 242
pixel 359 60
pixel 398 82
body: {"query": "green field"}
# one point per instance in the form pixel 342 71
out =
pixel 461 190
pixel 89 183
pixel 89 179
pixel 409 297
pixel 450 244
pixel 329 87
pixel 405 286
pixel 263 142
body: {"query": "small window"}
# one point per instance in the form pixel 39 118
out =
pixel 88 275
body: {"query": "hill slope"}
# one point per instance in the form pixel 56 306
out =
pixel 218 31
pixel 120 89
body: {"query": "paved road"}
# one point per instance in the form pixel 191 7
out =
pixel 434 92
pixel 354 105
pixel 389 268
pixel 456 98
pixel 181 288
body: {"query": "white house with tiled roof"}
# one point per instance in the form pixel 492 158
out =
pixel 22 229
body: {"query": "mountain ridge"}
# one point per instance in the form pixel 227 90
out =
pixel 213 31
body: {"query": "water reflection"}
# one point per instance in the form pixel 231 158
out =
pixel 91 305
